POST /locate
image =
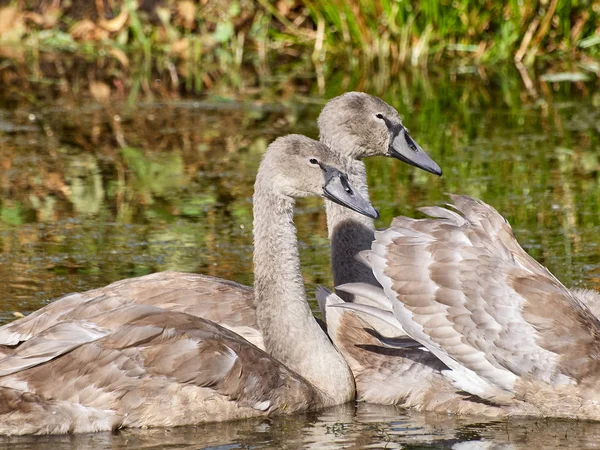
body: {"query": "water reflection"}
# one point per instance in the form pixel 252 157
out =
pixel 91 194
pixel 348 426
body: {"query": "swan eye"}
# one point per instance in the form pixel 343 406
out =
pixel 313 161
pixel 379 116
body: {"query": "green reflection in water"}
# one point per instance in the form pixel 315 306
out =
pixel 343 427
pixel 77 211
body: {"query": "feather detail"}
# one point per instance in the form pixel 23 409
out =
pixel 463 287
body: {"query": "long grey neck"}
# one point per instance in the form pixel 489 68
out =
pixel 290 331
pixel 350 233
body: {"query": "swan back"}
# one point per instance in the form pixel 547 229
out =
pixel 464 288
pixel 153 367
pixel 225 302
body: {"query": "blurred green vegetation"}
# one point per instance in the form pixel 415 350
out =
pixel 95 192
pixel 226 46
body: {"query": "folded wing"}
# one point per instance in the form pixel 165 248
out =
pixel 464 288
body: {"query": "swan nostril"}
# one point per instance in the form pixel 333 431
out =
pixel 346 186
pixel 411 144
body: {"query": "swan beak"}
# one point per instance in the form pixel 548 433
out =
pixel 338 189
pixel 407 150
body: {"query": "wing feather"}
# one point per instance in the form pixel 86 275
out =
pixel 466 290
pixel 228 303
pixel 152 367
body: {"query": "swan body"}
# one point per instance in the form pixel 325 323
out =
pixel 507 331
pixel 109 363
pixel 395 371
pixel 142 366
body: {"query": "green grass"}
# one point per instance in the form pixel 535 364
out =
pixel 483 31
pixel 195 46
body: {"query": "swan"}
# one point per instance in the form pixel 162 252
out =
pixel 503 328
pixel 354 125
pixel 140 365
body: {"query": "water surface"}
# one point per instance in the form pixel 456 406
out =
pixel 90 194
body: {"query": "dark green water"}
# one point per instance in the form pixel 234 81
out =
pixel 92 194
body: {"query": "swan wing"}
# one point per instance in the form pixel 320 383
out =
pixel 226 302
pixel 465 289
pixel 372 311
pixel 52 342
pixel 368 294
pixel 154 368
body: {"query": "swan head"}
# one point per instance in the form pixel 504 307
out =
pixel 296 166
pixel 362 125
